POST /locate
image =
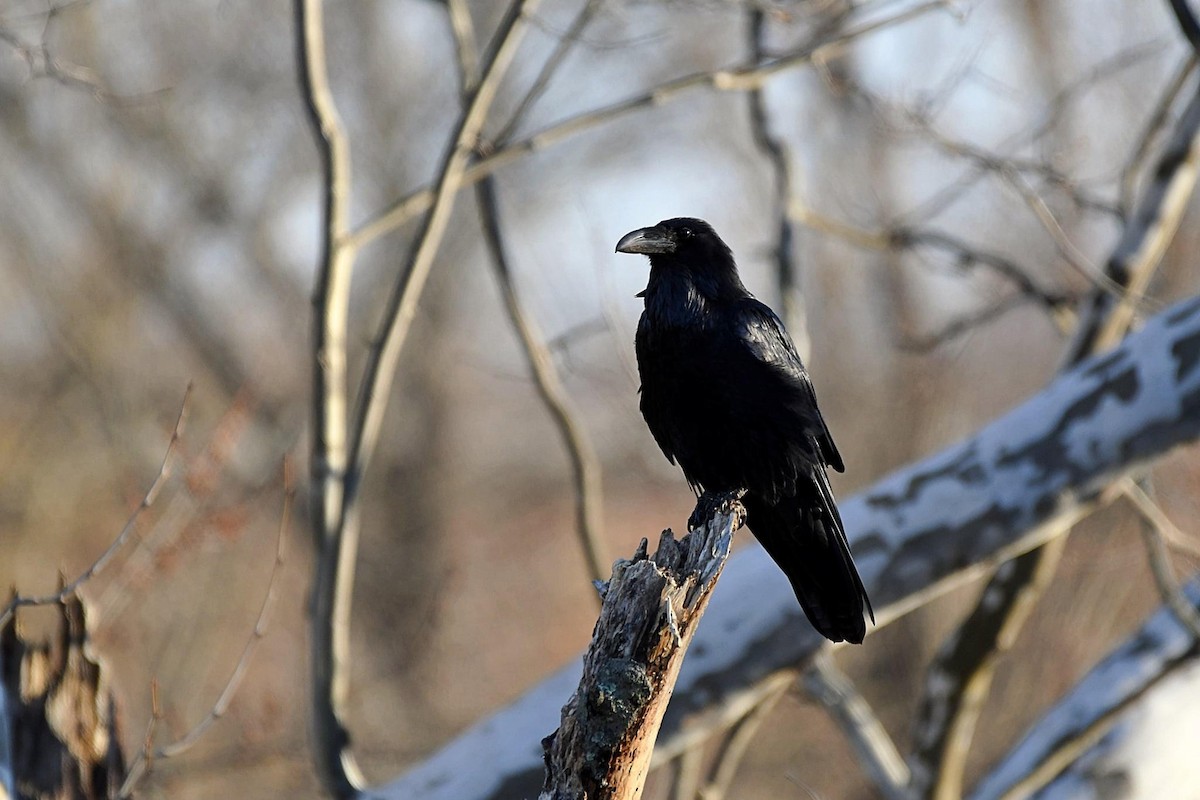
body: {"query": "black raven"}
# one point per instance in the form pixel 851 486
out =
pixel 727 398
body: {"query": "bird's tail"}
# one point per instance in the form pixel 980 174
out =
pixel 805 537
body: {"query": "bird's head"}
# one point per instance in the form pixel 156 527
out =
pixel 685 248
pixel 679 238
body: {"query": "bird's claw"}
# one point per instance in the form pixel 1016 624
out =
pixel 710 504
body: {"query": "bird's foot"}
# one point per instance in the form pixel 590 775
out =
pixel 712 503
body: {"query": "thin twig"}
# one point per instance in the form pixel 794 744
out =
pixel 1069 251
pixel 41 63
pixel 961 325
pixel 968 255
pixel 859 237
pixel 959 679
pixel 1172 536
pixel 1057 106
pixel 261 624
pixel 71 587
pixel 143 763
pixel 992 162
pixel 1070 751
pixel 737 742
pixel 1125 678
pixel 1059 304
pixel 562 49
pixel 866 733
pixel 465 49
pixel 740 78
pixel 1154 528
pixel 585 465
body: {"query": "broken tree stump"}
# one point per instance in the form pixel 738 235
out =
pixel 58 730
pixel 652 605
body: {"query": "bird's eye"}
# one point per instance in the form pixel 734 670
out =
pixel 687 233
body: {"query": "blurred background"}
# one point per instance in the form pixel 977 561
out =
pixel 160 225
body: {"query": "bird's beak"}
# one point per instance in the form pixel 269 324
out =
pixel 647 241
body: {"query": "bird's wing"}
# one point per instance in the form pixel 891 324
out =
pixel 764 335
pixel 657 416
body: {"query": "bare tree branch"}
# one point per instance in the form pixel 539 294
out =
pixel 342 444
pixel 1170 534
pixel 1069 251
pixel 961 325
pixel 1057 106
pixel 465 48
pixel 42 63
pixel 337 542
pixel 787 274
pixel 1059 305
pixel 401 306
pixel 1146 237
pixel 585 465
pixel 1008 167
pixel 689 772
pixel 959 679
pixel 689 781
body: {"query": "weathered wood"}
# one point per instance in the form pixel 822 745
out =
pixel 651 607
pixel 59 732
pixel 917 533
